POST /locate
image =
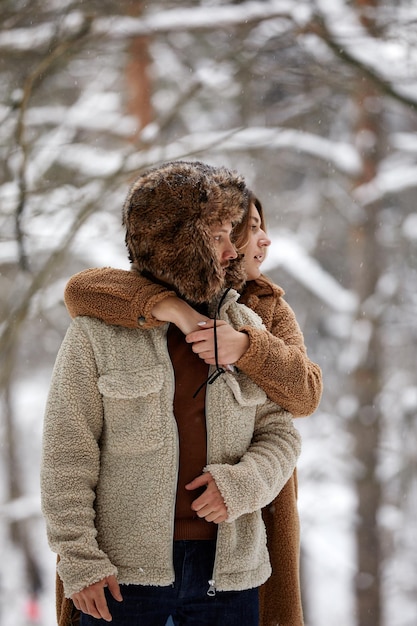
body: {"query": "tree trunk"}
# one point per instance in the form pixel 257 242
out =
pixel 366 381
pixel 138 78
pixel 366 432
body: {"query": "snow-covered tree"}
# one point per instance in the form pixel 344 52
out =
pixel 315 103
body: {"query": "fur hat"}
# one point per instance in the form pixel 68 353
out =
pixel 168 214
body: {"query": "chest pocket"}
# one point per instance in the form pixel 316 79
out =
pixel 132 410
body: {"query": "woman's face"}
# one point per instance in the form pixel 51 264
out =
pixel 255 248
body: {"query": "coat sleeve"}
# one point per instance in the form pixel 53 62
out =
pixel 264 468
pixel 70 464
pixel 121 297
pixel 277 361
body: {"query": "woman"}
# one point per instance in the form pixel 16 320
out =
pixel 275 358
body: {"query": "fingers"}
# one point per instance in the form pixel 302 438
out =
pixel 231 343
pixel 206 332
pixel 210 505
pixel 114 588
pixel 211 512
pixel 216 516
pixel 209 323
pixel 92 599
pixel 203 345
pixel 200 481
pixel 92 604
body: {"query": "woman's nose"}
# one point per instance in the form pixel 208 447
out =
pixel 264 240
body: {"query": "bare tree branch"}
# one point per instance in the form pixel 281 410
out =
pixel 318 27
pixel 35 77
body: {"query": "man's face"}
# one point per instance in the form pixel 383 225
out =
pixel 222 242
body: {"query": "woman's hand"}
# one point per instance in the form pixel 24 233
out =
pixel 231 344
pixel 199 330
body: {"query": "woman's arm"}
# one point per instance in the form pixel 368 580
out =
pixel 276 360
pixel 126 298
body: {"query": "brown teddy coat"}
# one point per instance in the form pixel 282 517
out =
pixel 276 360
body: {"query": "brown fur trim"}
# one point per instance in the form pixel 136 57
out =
pixel 168 214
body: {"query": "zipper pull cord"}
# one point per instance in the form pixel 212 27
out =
pixel 219 370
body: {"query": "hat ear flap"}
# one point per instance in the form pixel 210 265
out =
pixel 169 213
pixel 236 274
pixel 204 278
pixel 191 267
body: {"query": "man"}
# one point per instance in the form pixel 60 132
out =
pixel 155 467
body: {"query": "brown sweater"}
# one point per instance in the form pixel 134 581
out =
pixel 190 372
pixel 276 360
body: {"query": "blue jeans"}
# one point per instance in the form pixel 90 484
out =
pixel 186 601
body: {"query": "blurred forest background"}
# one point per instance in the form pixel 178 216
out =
pixel 315 103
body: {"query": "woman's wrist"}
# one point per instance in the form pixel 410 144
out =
pixel 178 312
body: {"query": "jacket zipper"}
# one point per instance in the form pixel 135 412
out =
pixel 177 454
pixel 212 587
pixel 211 591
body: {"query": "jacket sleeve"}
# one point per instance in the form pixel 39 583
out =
pixel 70 464
pixel 121 297
pixel 265 467
pixel 277 361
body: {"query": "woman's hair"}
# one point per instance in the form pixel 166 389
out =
pixel 241 230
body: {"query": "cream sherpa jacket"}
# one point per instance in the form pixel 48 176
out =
pixel 110 458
